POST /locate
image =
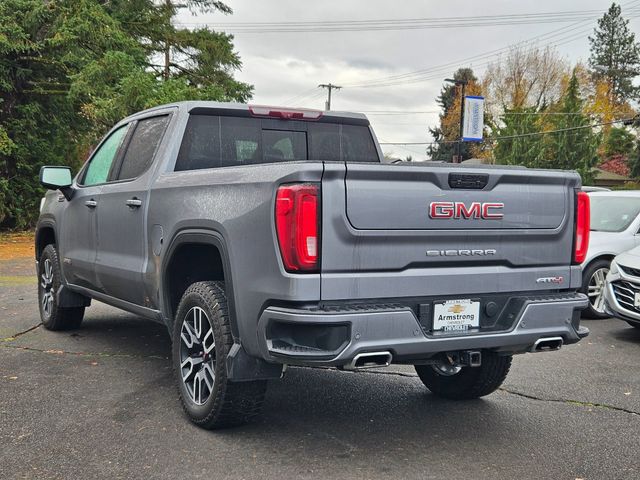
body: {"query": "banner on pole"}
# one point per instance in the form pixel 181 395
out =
pixel 473 121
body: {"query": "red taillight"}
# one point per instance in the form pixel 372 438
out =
pixel 297 226
pixel 583 224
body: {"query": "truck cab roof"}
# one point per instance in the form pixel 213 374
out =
pixel 192 105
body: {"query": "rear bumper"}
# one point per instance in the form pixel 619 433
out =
pixel 347 333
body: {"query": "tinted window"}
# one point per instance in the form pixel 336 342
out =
pixel 337 142
pixel 241 141
pixel 201 144
pixel 613 214
pixel 102 160
pixel 324 142
pixel 357 144
pixel 281 145
pixel 142 147
pixel 212 141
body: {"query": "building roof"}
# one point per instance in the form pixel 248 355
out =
pixel 606 175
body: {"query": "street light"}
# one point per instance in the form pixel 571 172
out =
pixel 463 84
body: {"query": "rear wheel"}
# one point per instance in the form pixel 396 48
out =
pixel 52 315
pixel 201 343
pixel 463 383
pixel 593 285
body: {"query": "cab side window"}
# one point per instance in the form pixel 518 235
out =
pixel 102 160
pixel 142 147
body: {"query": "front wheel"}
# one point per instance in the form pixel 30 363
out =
pixel 464 383
pixel 201 343
pixel 53 316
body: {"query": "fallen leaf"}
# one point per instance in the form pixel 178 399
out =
pixel 94 363
pixel 13 378
pixel 627 393
pixel 55 352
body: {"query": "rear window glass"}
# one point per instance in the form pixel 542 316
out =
pixel 214 141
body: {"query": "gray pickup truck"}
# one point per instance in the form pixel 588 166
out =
pixel 265 237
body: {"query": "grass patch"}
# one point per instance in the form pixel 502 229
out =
pixel 17 280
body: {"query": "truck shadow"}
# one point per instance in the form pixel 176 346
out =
pixel 385 420
pixel 317 416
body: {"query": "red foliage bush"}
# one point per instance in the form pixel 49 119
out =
pixel 616 164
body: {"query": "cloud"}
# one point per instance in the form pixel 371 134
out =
pixel 284 66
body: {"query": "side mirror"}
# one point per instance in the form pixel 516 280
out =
pixel 57 178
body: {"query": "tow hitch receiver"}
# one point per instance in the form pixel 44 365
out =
pixel 471 358
pixel 466 358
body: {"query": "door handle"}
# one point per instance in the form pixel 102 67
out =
pixel 133 203
pixel 91 203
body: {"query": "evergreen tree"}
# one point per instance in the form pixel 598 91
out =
pixel 178 63
pixel 619 142
pixel 445 148
pixel 69 69
pixel 615 54
pixel 518 141
pixel 634 161
pixel 575 146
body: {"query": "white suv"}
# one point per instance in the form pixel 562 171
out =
pixel 615 222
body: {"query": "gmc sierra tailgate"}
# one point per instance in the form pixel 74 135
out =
pixel 415 230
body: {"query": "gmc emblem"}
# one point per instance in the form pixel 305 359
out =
pixel 485 211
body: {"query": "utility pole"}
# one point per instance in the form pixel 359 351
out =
pixel 167 46
pixel 463 84
pixel 329 87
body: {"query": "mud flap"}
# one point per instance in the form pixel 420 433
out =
pixel 68 299
pixel 243 368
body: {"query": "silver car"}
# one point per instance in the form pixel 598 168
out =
pixel 622 290
pixel 615 224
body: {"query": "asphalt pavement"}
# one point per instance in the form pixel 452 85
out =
pixel 101 403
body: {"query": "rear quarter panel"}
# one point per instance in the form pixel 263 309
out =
pixel 238 204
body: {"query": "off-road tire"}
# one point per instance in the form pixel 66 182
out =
pixel 57 318
pixel 469 382
pixel 590 312
pixel 230 403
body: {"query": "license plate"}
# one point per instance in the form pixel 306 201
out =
pixel 636 300
pixel 456 315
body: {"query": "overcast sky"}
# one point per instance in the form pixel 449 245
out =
pixel 286 65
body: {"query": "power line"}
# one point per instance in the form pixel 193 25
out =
pixel 435 72
pixel 560 32
pixel 522 135
pixel 403 23
pixel 425 112
pixel 309 98
pixel 398 112
pixel 299 96
pixel 442 71
pixel 438 72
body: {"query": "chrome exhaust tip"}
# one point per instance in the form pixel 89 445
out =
pixel 369 360
pixel 548 344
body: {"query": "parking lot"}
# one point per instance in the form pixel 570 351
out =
pixel 101 403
